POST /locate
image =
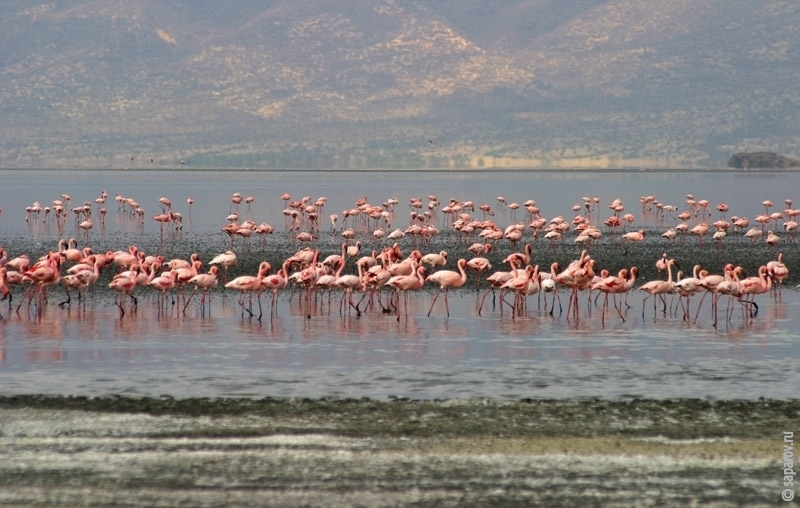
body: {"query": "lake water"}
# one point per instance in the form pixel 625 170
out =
pixel 93 350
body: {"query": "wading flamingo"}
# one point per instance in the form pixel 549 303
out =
pixel 448 279
pixel 249 284
pixel 658 287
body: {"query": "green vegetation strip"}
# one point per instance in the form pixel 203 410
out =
pixel 529 418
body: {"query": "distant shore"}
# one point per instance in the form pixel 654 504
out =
pixel 422 170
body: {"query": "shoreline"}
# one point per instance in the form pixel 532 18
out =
pixel 365 417
pixel 123 451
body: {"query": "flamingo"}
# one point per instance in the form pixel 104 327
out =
pixel 779 273
pixel 577 275
pixel 434 259
pixel 753 233
pixel 522 286
pixel 275 283
pixel 86 226
pixel 752 286
pixel 772 239
pixel 496 280
pixel 353 250
pixel 479 249
pixel 670 234
pixel 124 286
pixel 710 282
pixel 70 250
pixel 375 276
pixel 403 283
pixel 163 218
pixel 86 275
pixel 406 266
pixel 700 231
pixel 688 286
pixel 479 265
pixel 225 260
pixel 44 273
pixel 204 282
pixel 348 283
pixel 634 236
pixel 731 287
pixel 658 287
pixel 308 278
pixel 448 279
pixel 249 284
pixel 163 283
pixel 612 285
pixel 335 260
pixel 520 258
pixel 662 263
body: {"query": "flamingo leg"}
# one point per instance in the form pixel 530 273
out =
pixel 190 299
pixel 490 290
pixel 434 301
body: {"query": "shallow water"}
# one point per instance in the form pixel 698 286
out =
pixel 93 350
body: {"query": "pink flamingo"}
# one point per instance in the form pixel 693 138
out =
pixel 710 282
pixel 164 283
pixel 700 231
pixel 522 286
pixel 225 260
pixel 375 277
pixel 249 284
pixel 634 236
pixel 163 218
pixel 658 287
pixel 43 274
pixel 204 282
pixel 334 261
pixel 124 286
pixel 448 279
pixel 779 273
pixel 612 285
pixel 480 248
pixel 434 259
pixel 496 280
pixel 577 275
pixel 86 226
pixel 752 286
pixel 348 283
pixel 662 263
pixel 731 287
pixel 85 276
pixel 688 286
pixel 275 283
pixel 308 279
pixel 403 283
pixel 520 258
pixel 547 282
pixel 479 265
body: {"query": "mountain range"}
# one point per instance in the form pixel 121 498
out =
pixel 397 85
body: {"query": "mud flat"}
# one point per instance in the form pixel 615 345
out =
pixel 119 451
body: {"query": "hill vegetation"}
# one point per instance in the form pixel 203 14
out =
pixel 762 160
pixel 426 84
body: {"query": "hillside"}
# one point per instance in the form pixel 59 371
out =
pixel 540 83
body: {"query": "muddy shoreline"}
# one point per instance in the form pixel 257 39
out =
pixel 122 451
pixel 675 419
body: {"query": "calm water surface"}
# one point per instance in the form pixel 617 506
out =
pixel 221 353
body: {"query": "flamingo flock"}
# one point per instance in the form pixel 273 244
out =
pixel 386 269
